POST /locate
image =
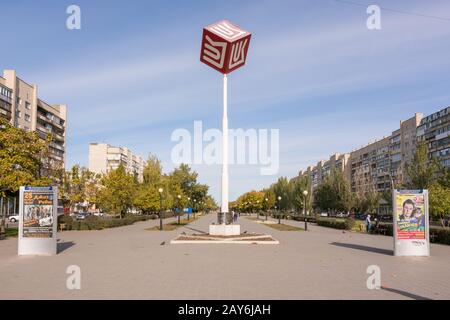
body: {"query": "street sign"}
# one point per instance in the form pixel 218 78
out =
pixel 411 223
pixel 224 46
pixel 38 220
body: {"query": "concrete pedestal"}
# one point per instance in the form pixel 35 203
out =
pixel 224 229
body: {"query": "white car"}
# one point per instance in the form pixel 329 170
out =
pixel 46 222
pixel 14 218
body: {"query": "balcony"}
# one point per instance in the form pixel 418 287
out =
pixel 58 137
pixel 57 146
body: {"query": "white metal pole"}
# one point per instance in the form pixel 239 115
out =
pixel 224 208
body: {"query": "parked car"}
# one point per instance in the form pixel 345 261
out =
pixel 81 215
pixel 99 214
pixel 360 216
pixel 14 218
pixel 324 214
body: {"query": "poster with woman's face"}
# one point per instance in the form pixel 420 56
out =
pixel 410 215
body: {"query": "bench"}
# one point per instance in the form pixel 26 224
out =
pixel 381 229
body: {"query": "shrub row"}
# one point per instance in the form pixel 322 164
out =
pixel 437 234
pixel 98 223
pixel 332 223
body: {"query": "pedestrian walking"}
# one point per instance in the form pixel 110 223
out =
pixel 368 223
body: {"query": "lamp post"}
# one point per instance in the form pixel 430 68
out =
pixel 3 222
pixel 257 209
pixel 193 209
pixel 179 208
pixel 279 210
pixel 305 194
pixel 190 204
pixel 160 190
pixel 267 207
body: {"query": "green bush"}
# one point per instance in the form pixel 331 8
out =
pixel 437 234
pixel 440 235
pixel 98 223
pixel 332 223
pixel 350 224
pixel 92 223
pixel 67 220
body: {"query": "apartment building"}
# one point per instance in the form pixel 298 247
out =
pixel 20 105
pixel 378 165
pixel 5 100
pixel 104 158
pixel 435 130
pixel 323 169
pixel 370 167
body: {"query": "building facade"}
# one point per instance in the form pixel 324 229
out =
pixel 381 164
pixel 435 131
pixel 370 167
pixel 20 105
pixel 322 169
pixel 104 158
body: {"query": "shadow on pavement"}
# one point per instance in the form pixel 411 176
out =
pixel 405 294
pixel 363 248
pixel 201 231
pixel 62 246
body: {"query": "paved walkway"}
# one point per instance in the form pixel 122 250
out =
pixel 132 263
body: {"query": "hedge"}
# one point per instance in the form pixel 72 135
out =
pixel 98 223
pixel 437 234
pixel 332 223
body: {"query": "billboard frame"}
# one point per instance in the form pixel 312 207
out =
pixel 38 245
pixel 411 247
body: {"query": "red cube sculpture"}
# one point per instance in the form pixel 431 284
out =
pixel 224 46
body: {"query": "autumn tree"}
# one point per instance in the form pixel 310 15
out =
pixel 118 191
pixel 22 157
pixel 422 171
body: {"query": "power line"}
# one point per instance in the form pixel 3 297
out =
pixel 394 10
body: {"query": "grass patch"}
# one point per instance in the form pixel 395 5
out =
pixel 12 232
pixel 173 225
pixel 284 227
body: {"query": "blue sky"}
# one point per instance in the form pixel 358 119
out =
pixel 132 75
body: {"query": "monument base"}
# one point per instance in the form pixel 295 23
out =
pixel 224 229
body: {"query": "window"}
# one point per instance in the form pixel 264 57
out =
pixel 19 101
pixel 18 114
pixel 27 118
pixel 396 157
pixel 27 105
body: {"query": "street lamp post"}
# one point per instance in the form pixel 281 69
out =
pixel 267 207
pixel 257 209
pixel 190 204
pixel 305 194
pixel 160 190
pixel 3 222
pixel 193 209
pixel 179 208
pixel 279 210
